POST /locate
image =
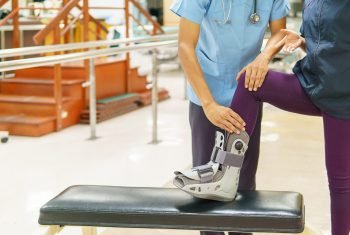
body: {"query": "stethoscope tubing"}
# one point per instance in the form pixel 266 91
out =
pixel 254 17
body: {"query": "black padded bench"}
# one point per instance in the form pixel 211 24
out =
pixel 167 208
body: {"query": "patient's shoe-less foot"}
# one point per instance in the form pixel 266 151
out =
pixel 218 179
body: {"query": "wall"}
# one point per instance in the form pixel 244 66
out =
pixel 169 17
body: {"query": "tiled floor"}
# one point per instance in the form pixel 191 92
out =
pixel 32 170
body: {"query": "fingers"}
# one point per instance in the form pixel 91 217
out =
pixel 263 76
pixel 298 43
pixel 229 127
pixel 240 122
pixel 231 122
pixel 237 120
pixel 258 80
pixel 225 118
pixel 291 47
pixel 252 79
pixel 248 76
pixel 260 77
pixel 282 42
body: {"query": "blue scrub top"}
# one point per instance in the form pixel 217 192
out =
pixel 224 49
pixel 325 72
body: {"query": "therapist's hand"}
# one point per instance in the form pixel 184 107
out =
pixel 291 41
pixel 255 72
pixel 224 118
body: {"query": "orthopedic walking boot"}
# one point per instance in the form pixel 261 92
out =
pixel 218 179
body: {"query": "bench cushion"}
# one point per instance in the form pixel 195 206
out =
pixel 168 208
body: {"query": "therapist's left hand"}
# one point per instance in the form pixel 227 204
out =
pixel 255 72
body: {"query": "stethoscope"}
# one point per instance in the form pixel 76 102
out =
pixel 254 17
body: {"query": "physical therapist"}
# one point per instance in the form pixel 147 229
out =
pixel 219 40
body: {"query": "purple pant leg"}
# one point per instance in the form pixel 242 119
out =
pixel 279 89
pixel 285 92
pixel 338 170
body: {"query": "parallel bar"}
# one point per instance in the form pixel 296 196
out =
pixel 49 60
pixel 73 46
pixel 92 93
pixel 155 98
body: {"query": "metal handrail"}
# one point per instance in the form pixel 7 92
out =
pixel 145 44
pixel 81 45
pixel 58 59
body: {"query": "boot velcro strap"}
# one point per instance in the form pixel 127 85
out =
pixel 205 173
pixel 227 158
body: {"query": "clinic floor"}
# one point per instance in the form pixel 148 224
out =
pixel 33 170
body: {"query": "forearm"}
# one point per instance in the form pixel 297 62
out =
pixel 272 47
pixel 194 74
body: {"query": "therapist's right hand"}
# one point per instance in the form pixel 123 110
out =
pixel 224 118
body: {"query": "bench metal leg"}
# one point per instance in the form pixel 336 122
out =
pixel 54 229
pixel 89 230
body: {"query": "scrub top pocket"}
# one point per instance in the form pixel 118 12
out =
pixel 209 66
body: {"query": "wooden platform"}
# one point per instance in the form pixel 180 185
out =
pixel 27 104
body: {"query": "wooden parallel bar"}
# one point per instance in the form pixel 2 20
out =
pixel 39 37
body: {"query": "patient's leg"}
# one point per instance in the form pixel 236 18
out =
pixel 279 89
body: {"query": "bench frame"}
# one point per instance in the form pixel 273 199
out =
pixel 56 229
